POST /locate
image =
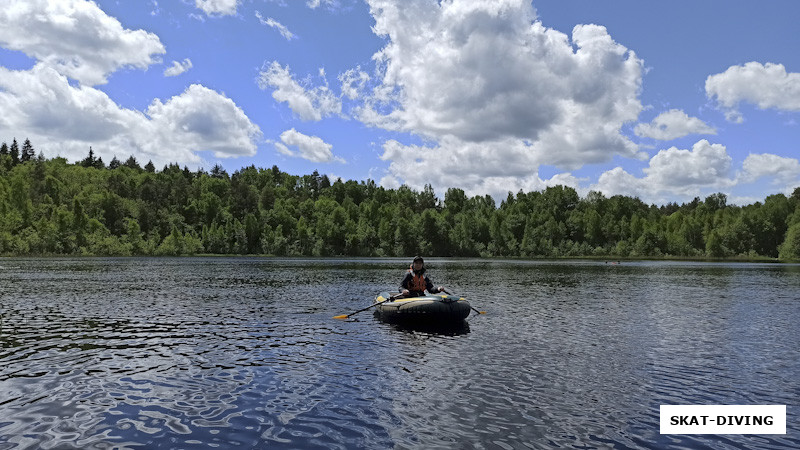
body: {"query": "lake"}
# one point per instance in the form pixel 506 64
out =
pixel 222 352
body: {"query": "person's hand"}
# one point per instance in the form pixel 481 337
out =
pixel 441 288
pixel 405 292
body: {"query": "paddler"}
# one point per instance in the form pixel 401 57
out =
pixel 416 282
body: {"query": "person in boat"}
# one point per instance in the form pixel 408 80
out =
pixel 415 283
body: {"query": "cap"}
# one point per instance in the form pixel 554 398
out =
pixel 418 258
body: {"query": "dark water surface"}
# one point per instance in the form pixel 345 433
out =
pixel 221 352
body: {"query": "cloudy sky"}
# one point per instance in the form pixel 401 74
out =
pixel 661 100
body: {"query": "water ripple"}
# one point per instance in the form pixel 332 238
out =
pixel 182 353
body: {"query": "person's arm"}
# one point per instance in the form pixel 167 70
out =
pixel 404 283
pixel 429 286
pixel 431 289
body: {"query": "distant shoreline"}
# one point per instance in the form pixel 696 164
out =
pixel 609 261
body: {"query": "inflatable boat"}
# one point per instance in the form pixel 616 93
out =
pixel 439 309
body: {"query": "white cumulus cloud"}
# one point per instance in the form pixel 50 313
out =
pixel 764 85
pixel 311 148
pixel 198 119
pixel 781 169
pixel 705 167
pixel 201 119
pixel 673 124
pixel 178 68
pixel 307 102
pixel 705 164
pixel 466 165
pixel 46 105
pixel 617 181
pixel 218 7
pixel 76 38
pixel 495 90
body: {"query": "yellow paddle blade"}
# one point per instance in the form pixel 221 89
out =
pixel 343 316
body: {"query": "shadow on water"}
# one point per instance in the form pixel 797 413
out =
pixel 449 329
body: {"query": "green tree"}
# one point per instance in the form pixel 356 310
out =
pixel 28 153
pixel 215 240
pixel 79 222
pixel 172 245
pixel 113 212
pixel 253 231
pixel 51 206
pixel 367 238
pixel 427 199
pixel 454 200
pixel 134 238
pixel 244 198
pixel 20 199
pixel 650 243
pixel 90 160
pixel 716 201
pixel 594 230
pixel 790 249
pixel 303 242
pixel 219 172
pixel 714 245
pixel 14 152
pixel 131 163
pixel 405 238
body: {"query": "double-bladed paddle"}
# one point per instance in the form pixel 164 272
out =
pixel 391 297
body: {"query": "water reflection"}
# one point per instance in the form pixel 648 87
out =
pixel 447 329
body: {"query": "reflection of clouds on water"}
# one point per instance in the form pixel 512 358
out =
pixel 198 407
pixel 326 387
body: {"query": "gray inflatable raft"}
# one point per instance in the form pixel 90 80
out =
pixel 430 309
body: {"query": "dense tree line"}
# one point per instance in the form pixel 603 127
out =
pixel 49 206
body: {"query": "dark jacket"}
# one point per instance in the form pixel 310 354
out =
pixel 407 283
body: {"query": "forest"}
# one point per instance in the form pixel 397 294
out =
pixel 53 207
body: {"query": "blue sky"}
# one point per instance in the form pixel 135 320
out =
pixel 661 100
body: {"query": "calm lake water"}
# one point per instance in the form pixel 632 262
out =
pixel 221 352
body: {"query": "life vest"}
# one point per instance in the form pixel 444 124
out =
pixel 418 283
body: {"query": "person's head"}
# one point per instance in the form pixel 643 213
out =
pixel 418 264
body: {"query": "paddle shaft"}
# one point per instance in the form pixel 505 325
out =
pixel 473 308
pixel 364 309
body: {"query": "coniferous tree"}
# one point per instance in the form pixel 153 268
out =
pixel 90 160
pixel 14 152
pixel 150 167
pixel 114 163
pixel 132 163
pixel 218 172
pixel 5 160
pixel 27 151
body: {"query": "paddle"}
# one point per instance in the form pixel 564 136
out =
pixel 473 308
pixel 345 316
